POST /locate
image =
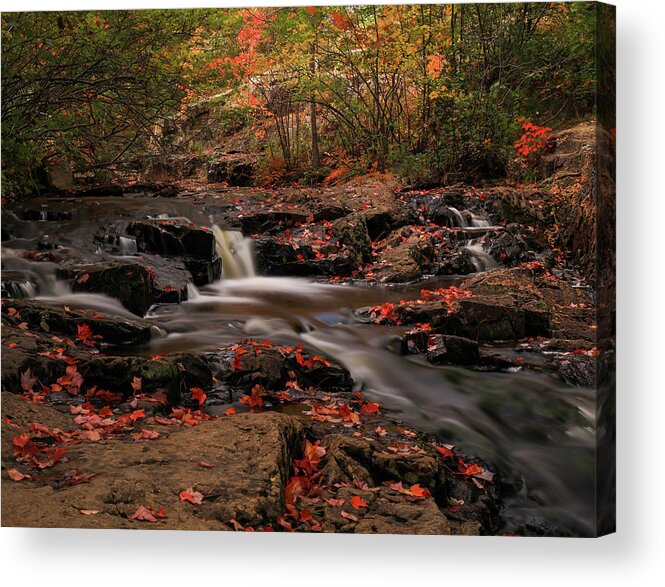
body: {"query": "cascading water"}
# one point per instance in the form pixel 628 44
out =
pixel 235 251
pixel 534 431
pixel 127 245
pixel 481 259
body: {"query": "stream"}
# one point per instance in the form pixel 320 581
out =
pixel 534 431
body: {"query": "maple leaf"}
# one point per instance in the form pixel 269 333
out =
pixel 418 491
pixel 230 411
pixel 27 380
pixel 143 514
pixel 370 408
pixel 85 335
pixel 136 414
pixel 137 383
pixel 16 475
pixel 254 400
pixel 199 395
pixel 192 496
pixel 445 452
pixel 357 502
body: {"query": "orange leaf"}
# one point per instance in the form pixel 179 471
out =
pixel 357 502
pixel 199 395
pixel 16 475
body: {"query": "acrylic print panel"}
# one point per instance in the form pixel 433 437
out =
pixel 312 269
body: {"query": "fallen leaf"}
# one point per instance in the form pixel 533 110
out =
pixel 91 512
pixel 143 514
pixel 357 502
pixel 16 475
pixel 192 496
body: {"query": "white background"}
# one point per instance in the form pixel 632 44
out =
pixel 633 556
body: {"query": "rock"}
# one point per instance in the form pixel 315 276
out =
pixel 173 237
pixel 250 457
pixel 352 232
pixel 271 221
pixel 272 370
pixel 131 284
pixel 59 176
pixel 45 215
pixel 404 517
pixel 273 255
pixel 452 350
pixel 235 170
pixel 52 319
pixel 457 263
pixel 405 262
pixel 111 190
pixel 381 221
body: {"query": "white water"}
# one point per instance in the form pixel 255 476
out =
pixel 482 261
pixel 127 245
pixel 235 251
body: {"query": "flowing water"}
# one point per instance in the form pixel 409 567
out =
pixel 534 431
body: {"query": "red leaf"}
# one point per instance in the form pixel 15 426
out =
pixel 199 395
pixel 192 496
pixel 143 514
pixel 357 502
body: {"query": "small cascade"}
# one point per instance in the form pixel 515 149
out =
pixel 19 289
pixel 127 245
pixel 457 215
pixel 235 252
pixel 478 221
pixel 192 292
pixel 482 261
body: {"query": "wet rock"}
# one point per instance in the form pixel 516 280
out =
pixel 271 221
pixel 131 284
pixel 47 243
pixel 52 319
pixel 111 190
pixel 171 237
pixel 167 191
pixel 405 262
pixel 352 231
pixel 271 369
pixel 46 215
pixel 382 221
pixel 204 271
pixel 457 263
pixel 235 170
pixel 170 375
pixel 275 257
pixel 578 370
pixel 452 350
pixel 17 285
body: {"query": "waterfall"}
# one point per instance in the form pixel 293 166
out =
pixel 127 245
pixel 458 216
pixel 235 252
pixel 482 261
pixel 478 221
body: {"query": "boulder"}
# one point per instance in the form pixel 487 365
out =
pixel 249 458
pixel 352 231
pixel 234 170
pixel 452 350
pixel 131 284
